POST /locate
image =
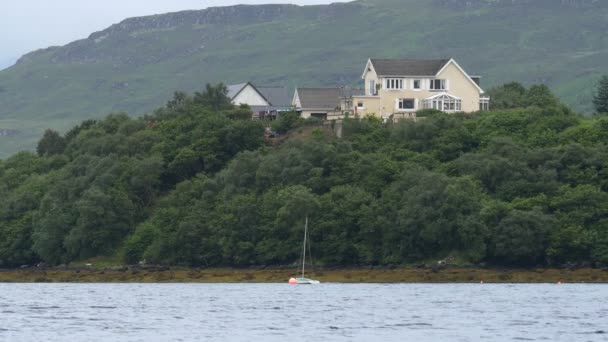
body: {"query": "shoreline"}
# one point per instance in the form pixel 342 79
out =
pixel 405 275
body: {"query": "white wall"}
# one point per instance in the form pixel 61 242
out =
pixel 251 97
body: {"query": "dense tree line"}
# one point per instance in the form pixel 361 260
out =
pixel 195 184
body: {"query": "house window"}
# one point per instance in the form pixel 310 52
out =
pixel 417 84
pixel 406 104
pixel 360 105
pixel 444 103
pixel 484 104
pixel 394 83
pixel 438 85
pixel 372 87
pixel 320 116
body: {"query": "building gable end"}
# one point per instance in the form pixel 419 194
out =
pixel 452 61
pixel 369 66
pixel 251 97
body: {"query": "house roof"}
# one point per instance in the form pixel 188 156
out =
pixel 408 67
pixel 277 96
pixel 350 92
pixel 235 89
pixel 326 98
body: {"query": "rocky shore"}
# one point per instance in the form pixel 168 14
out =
pixel 160 274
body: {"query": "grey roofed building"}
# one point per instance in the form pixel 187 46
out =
pixel 277 96
pixel 319 98
pixel 235 89
pixel 265 102
pixel 408 67
pixel 347 92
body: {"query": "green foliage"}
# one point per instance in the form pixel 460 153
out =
pixel 600 98
pixel 514 95
pixel 51 143
pixel 189 185
pixel 286 122
pixel 506 96
pixel 520 238
pixel 86 192
pixel 214 97
pixel 540 95
pixel 134 68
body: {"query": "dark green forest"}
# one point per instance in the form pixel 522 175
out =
pixel 195 183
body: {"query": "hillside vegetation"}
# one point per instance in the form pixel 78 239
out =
pixel 195 184
pixel 134 66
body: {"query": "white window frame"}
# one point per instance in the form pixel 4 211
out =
pixel 443 83
pixel 362 105
pixel 394 84
pixel 484 104
pixel 419 88
pixel 372 88
pixel 444 102
pixel 399 106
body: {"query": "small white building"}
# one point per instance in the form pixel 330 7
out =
pixel 265 102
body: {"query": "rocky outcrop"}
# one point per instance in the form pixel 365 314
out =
pixel 114 44
pixel 8 132
pixel 522 3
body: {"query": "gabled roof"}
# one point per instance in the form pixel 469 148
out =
pixel 277 96
pixel 443 95
pixel 413 67
pixel 319 98
pixel 408 67
pixel 235 89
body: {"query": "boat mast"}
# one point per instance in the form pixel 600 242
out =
pixel 304 246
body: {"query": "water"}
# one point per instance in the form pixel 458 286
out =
pixel 280 312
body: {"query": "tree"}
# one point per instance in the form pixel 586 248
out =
pixel 600 98
pixel 510 95
pixel 541 96
pixel 286 122
pixel 51 143
pixel 521 238
pixel 215 97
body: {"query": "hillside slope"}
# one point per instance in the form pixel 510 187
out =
pixel 196 184
pixel 135 65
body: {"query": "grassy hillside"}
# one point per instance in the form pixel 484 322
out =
pixel 135 66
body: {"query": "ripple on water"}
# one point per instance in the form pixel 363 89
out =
pixel 43 307
pixel 272 312
pixel 522 323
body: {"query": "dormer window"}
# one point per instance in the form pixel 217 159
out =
pixel 417 84
pixel 438 85
pixel 394 83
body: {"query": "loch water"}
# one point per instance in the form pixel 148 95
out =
pixel 282 312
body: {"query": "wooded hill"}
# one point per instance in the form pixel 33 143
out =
pixel 135 66
pixel 196 184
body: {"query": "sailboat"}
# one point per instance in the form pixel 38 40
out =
pixel 303 280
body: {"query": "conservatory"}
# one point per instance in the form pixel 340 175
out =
pixel 443 102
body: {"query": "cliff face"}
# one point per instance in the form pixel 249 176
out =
pixel 547 4
pixel 99 46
